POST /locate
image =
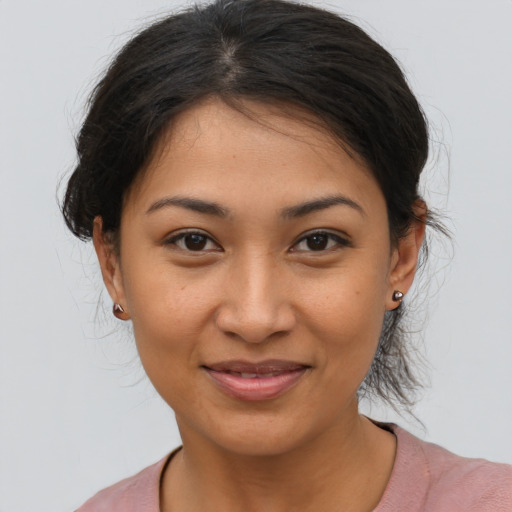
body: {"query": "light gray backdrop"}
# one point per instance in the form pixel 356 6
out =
pixel 72 418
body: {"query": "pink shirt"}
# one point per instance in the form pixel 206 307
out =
pixel 425 478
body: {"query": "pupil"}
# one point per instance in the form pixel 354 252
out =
pixel 195 242
pixel 317 242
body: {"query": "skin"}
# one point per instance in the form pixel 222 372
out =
pixel 257 290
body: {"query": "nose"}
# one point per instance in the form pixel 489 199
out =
pixel 256 305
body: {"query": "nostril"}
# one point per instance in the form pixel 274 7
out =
pixel 254 309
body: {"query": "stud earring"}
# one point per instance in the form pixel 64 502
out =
pixel 118 310
pixel 398 296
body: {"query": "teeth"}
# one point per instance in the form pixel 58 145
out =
pixel 245 375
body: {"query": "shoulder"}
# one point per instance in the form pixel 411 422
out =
pixel 138 493
pixel 477 484
pixel 438 480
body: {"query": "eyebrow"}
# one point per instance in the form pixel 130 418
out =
pixel 291 212
pixel 322 203
pixel 196 205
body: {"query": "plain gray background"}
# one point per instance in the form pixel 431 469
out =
pixel 76 411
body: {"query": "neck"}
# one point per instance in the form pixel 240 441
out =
pixel 347 468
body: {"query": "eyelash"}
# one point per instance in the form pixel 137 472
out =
pixel 339 241
pixel 181 237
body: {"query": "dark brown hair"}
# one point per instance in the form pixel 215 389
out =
pixel 272 51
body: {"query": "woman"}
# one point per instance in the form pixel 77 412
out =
pixel 248 172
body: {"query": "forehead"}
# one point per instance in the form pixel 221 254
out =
pixel 263 123
pixel 216 151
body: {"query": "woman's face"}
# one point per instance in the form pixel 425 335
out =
pixel 256 266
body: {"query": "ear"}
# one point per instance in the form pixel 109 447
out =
pixel 110 266
pixel 404 260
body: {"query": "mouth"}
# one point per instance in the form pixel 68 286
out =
pixel 263 380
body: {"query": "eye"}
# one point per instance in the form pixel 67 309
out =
pixel 193 241
pixel 320 241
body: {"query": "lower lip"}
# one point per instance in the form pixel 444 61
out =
pixel 257 388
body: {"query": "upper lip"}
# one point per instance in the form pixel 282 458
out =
pixel 260 367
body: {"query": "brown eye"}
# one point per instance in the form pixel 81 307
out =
pixel 320 241
pixel 193 242
pixel 317 242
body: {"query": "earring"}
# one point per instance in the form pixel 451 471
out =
pixel 118 310
pixel 398 296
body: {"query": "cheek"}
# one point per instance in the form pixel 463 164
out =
pixel 346 314
pixel 168 312
pixel 352 299
pixel 166 317
pixel 350 325
pixel 167 324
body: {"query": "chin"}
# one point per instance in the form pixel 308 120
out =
pixel 258 434
pixel 261 445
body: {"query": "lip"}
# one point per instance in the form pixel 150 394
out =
pixel 263 380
